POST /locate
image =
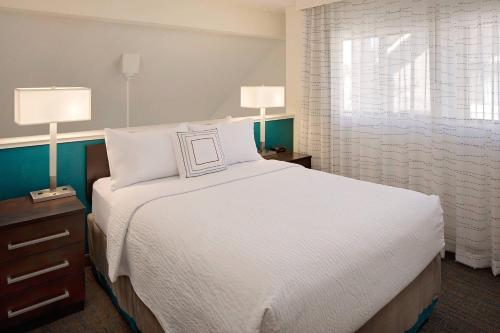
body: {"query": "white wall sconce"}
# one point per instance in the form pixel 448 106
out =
pixel 130 66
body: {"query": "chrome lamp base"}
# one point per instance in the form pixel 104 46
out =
pixel 48 194
pixel 263 151
pixel 266 152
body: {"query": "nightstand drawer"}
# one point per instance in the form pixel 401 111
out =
pixel 39 236
pixel 36 269
pixel 51 299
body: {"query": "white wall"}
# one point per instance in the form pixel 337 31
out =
pixel 210 15
pixel 303 4
pixel 186 74
pixel 294 64
pixel 269 70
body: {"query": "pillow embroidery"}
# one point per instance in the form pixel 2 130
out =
pixel 237 139
pixel 200 153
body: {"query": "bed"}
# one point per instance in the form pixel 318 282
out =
pixel 265 246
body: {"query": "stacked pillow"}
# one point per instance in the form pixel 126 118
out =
pixel 237 139
pixel 140 156
pixel 198 153
pixel 186 150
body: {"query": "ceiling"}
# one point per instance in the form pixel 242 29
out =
pixel 271 5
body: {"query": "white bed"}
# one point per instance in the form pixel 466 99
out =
pixel 101 202
pixel 266 246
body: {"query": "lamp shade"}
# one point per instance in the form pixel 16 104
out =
pixel 263 97
pixel 51 105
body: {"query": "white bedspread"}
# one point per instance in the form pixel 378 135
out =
pixel 102 196
pixel 268 246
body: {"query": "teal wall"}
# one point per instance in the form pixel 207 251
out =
pixel 27 169
pixel 278 132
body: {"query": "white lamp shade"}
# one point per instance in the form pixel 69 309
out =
pixel 263 97
pixel 51 105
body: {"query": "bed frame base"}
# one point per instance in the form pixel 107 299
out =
pixel 407 312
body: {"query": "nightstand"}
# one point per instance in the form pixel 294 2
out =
pixel 296 158
pixel 42 262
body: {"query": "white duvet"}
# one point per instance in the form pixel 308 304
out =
pixel 269 246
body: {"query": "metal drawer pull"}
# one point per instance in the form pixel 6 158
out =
pixel 38 240
pixel 37 273
pixel 12 314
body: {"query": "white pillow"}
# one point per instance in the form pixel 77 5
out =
pixel 198 153
pixel 237 139
pixel 140 156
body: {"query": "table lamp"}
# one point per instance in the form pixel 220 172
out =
pixel 263 97
pixel 51 106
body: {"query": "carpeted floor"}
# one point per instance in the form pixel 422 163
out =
pixel 470 302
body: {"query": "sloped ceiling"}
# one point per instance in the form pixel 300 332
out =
pixel 270 71
pixel 200 73
pixel 184 75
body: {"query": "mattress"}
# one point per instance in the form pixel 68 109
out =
pixel 267 246
pixel 103 195
pixel 101 202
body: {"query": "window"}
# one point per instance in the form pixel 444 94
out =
pixel 377 60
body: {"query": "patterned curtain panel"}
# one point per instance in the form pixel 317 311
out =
pixel 407 93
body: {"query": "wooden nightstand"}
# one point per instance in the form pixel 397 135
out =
pixel 42 273
pixel 296 158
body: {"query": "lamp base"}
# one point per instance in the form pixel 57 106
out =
pixel 266 152
pixel 47 194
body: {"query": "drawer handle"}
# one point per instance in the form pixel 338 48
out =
pixel 12 314
pixel 11 280
pixel 11 246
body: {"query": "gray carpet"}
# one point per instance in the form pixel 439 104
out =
pixel 470 302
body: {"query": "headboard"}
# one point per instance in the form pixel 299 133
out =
pixel 97 166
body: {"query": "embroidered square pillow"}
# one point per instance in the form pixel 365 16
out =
pixel 198 153
pixel 237 138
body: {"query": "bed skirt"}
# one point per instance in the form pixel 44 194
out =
pixel 407 312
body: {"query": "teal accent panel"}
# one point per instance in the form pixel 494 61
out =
pixel 278 132
pixel 422 318
pixel 26 169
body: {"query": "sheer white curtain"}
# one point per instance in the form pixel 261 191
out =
pixel 407 93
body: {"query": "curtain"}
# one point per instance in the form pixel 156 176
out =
pixel 407 93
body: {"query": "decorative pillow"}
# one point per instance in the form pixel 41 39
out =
pixel 140 156
pixel 237 138
pixel 198 153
